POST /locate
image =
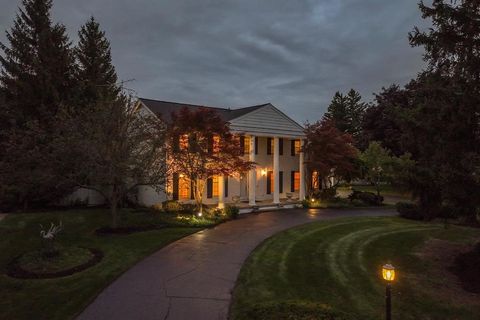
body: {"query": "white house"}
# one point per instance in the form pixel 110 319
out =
pixel 269 138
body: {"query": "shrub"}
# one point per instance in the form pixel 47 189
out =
pixel 293 310
pixel 325 194
pixel 409 210
pixel 189 208
pixel 369 198
pixel 231 211
pixel 172 206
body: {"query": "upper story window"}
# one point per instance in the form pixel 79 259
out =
pixel 295 147
pixel 183 142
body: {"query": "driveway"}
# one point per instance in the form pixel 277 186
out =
pixel 193 278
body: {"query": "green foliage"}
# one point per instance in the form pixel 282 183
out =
pixel 231 211
pixel 288 310
pixel 368 198
pixel 409 210
pixel 172 206
pixel 347 112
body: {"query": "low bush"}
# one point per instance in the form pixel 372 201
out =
pixel 231 212
pixel 409 210
pixel 325 194
pixel 369 198
pixel 172 206
pixel 293 310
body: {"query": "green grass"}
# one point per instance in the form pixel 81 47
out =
pixel 336 264
pixel 63 298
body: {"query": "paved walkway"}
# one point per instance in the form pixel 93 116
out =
pixel 193 278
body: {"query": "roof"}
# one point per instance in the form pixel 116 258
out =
pixel 164 109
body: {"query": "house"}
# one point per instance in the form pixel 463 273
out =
pixel 268 137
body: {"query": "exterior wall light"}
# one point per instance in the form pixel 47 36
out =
pixel 388 274
pixel 264 172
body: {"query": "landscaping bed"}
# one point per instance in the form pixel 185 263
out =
pixel 335 266
pixel 34 264
pixel 65 297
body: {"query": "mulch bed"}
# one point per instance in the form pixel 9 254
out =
pixel 466 268
pixel 105 231
pixel 15 271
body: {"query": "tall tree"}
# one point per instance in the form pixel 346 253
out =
pixel 96 76
pixel 36 82
pixel 125 148
pixel 346 112
pixel 443 126
pixel 329 151
pixel 201 146
pixel 381 120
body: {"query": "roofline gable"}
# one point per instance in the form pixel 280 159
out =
pixel 274 108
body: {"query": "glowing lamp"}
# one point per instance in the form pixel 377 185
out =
pixel 388 272
pixel 313 200
pixel 264 172
pixel 199 214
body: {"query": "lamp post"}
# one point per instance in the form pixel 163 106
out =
pixel 388 274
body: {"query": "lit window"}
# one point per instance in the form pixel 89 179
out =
pixel 183 188
pixel 184 142
pixel 246 145
pixel 216 144
pixel 296 181
pixel 315 182
pixel 215 186
pixel 298 147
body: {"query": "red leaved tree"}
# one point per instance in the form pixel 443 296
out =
pixel 201 146
pixel 329 152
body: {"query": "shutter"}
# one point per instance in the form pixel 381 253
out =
pixel 192 192
pixel 209 188
pixel 226 186
pixel 175 186
pixel 242 144
pixel 292 147
pixel 269 182
pixel 210 145
pixel 280 146
pixel 269 145
pixel 256 145
pixel 280 182
pixel 292 181
pixel 176 144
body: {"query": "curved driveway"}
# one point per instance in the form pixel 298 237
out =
pixel 193 278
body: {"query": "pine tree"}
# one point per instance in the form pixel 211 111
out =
pixel 346 112
pixel 36 83
pixel 96 74
pixel 36 76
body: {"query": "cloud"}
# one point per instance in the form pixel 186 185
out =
pixel 294 54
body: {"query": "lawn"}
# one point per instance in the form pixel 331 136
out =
pixel 331 270
pixel 63 298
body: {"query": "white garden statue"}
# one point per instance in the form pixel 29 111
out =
pixel 52 232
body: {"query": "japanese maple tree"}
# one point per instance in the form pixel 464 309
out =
pixel 329 151
pixel 201 146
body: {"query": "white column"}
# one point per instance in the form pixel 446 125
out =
pixel 301 194
pixel 252 174
pixel 221 192
pixel 276 171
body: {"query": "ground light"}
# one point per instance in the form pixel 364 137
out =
pixel 388 274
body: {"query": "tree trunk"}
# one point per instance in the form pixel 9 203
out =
pixel 199 185
pixel 114 206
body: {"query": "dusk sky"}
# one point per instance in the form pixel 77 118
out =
pixel 294 54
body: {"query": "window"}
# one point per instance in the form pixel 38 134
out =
pixel 215 186
pixel 295 181
pixel 245 144
pixel 280 182
pixel 280 146
pixel 183 142
pixel 315 180
pixel 183 187
pixel 256 145
pixel 216 144
pixel 269 146
pixel 298 147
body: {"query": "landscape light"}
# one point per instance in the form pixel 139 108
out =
pixel 313 199
pixel 388 274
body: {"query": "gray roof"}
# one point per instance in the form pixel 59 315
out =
pixel 164 109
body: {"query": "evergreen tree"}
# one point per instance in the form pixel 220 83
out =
pixel 96 74
pixel 442 128
pixel 346 112
pixel 36 83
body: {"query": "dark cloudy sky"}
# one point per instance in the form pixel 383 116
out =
pixel 292 53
